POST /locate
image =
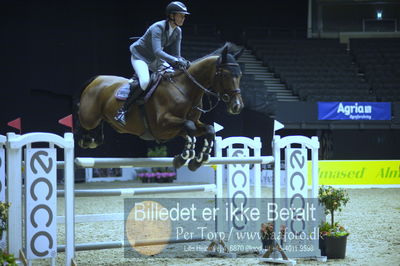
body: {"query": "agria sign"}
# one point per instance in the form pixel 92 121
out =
pixel 354 111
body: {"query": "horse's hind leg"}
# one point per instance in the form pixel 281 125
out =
pixel 90 138
pixel 88 135
pixel 188 152
pixel 205 152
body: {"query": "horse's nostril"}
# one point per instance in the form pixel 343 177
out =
pixel 236 108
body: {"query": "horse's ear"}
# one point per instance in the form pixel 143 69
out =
pixel 224 54
pixel 238 54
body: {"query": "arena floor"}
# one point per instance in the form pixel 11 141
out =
pixel 372 217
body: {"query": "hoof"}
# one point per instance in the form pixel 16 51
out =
pixel 86 144
pixel 194 165
pixel 178 161
pixel 93 145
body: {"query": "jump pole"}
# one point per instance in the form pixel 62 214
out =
pixel 123 192
pixel 89 162
pixel 122 244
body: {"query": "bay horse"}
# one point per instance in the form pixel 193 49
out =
pixel 173 110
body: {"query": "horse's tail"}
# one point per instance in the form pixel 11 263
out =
pixel 76 102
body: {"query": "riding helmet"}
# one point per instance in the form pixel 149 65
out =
pixel 176 7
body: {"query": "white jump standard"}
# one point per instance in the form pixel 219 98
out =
pixel 45 161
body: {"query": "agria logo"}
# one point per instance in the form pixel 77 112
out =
pixel 354 109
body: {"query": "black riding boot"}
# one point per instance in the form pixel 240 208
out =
pixel 135 92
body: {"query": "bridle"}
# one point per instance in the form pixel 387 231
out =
pixel 226 97
pixel 219 75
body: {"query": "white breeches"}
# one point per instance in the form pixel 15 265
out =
pixel 142 71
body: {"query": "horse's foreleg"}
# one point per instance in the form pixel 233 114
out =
pixel 205 152
pixel 188 151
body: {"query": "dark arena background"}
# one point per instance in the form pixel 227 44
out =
pixel 297 53
pixel 325 68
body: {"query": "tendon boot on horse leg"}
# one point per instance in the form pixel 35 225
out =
pixel 134 93
pixel 190 145
pixel 204 155
pixel 187 154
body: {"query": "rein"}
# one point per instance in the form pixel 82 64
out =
pixel 208 92
pixel 219 73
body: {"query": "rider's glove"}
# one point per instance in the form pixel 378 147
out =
pixel 181 63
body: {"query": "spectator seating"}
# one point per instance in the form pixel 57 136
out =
pixel 379 60
pixel 315 70
pixel 256 96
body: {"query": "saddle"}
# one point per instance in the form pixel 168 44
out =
pixel 123 91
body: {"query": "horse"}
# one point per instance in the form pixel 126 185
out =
pixel 174 109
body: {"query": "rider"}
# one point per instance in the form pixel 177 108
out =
pixel 159 46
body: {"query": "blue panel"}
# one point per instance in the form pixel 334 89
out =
pixel 354 111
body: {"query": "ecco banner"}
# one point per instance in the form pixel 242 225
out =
pixel 238 189
pixel 296 170
pixel 354 111
pixel 41 203
pixel 297 199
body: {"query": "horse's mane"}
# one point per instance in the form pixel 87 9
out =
pixel 232 49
